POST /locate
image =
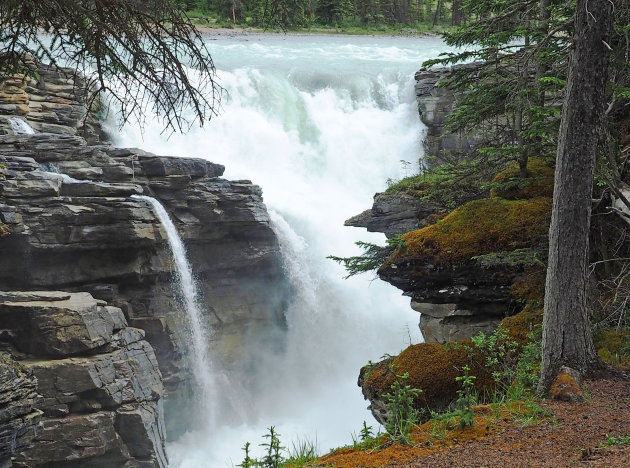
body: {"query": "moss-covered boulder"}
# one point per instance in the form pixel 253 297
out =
pixel 432 367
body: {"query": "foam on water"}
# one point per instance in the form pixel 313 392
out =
pixel 20 127
pixel 320 123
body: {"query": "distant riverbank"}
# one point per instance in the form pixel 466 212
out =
pixel 211 30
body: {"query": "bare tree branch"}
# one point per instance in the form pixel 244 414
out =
pixel 138 53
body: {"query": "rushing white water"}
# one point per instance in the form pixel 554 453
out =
pixel 20 127
pixel 188 295
pixel 320 123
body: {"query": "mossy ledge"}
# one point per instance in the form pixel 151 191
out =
pixel 481 262
pixel 440 265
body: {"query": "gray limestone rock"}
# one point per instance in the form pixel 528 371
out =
pixel 441 323
pixel 162 166
pixel 100 409
pixel 57 328
pixel 92 237
pixel 19 417
pixel 397 213
pixel 435 103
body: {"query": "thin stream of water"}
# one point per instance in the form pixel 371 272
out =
pixel 20 127
pixel 188 293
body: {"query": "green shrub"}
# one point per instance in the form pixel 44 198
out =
pixel 402 413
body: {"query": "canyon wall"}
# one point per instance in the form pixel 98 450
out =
pixel 68 222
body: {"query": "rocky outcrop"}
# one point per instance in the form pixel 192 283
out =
pixel 98 379
pixel 80 230
pixel 92 236
pixel 435 103
pixel 455 303
pixel 68 221
pixel 397 213
pixel 19 417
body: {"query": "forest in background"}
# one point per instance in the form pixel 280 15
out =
pixel 294 14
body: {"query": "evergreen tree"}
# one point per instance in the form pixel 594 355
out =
pixel 567 339
pixel 500 102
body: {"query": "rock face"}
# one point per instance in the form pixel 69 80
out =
pixel 98 378
pixel 68 222
pixel 435 103
pixel 19 417
pixel 396 213
pixel 456 302
pixel 81 231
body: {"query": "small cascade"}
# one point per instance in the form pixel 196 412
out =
pixel 190 299
pixel 51 169
pixel 20 127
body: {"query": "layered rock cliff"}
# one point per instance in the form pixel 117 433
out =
pixel 435 102
pixel 68 223
pixel 100 389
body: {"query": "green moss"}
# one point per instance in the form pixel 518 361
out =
pixel 520 326
pixel 539 182
pixel 450 184
pixel 433 368
pixel 481 227
pixel 613 346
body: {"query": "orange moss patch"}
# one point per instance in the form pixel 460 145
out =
pixel 565 388
pixel 428 438
pixel 424 443
pixel 539 182
pixel 481 227
pixel 432 368
pixel 519 326
pixel 613 346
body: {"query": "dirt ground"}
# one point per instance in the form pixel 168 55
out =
pixel 572 436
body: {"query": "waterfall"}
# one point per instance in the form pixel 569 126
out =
pixel 20 127
pixel 320 123
pixel 189 297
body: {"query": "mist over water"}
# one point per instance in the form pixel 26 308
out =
pixel 320 123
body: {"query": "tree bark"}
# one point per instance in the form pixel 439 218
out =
pixel 567 339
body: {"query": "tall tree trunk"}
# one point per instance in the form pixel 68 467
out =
pixel 456 13
pixel 567 339
pixel 543 27
pixel 436 16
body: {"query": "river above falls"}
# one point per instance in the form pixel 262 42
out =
pixel 320 123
